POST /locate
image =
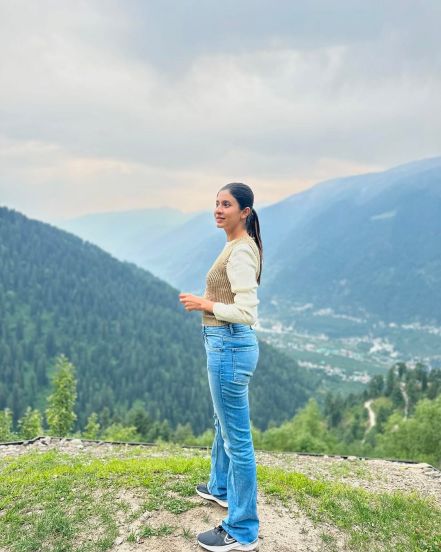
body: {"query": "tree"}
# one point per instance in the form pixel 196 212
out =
pixel 30 425
pixel 60 412
pixel 183 434
pixel 416 438
pixel 390 381
pixel 92 429
pixel 6 432
pixel 138 417
pixel 376 386
pixel 306 432
pixel 119 432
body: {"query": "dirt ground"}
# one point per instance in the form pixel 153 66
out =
pixel 282 528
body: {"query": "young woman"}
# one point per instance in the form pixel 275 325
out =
pixel 229 309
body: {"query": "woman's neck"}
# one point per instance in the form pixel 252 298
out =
pixel 236 237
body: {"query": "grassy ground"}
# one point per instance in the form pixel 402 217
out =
pixel 61 502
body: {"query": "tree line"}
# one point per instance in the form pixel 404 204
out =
pixel 407 406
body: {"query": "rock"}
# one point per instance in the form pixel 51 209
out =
pixel 76 442
pixel 422 465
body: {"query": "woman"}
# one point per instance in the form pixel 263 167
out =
pixel 229 309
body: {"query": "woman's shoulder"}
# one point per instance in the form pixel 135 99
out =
pixel 245 247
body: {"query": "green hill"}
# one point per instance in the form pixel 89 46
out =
pixel 66 496
pixel 124 330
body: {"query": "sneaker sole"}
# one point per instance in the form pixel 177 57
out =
pixel 232 547
pixel 222 503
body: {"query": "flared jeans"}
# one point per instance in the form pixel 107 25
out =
pixel 232 356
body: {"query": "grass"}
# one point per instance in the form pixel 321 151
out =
pixel 355 468
pixel 399 522
pixel 59 502
pixel 162 531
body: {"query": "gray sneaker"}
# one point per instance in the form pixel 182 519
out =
pixel 218 540
pixel 203 491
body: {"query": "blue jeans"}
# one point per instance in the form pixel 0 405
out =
pixel 232 355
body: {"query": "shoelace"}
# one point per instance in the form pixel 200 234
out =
pixel 219 529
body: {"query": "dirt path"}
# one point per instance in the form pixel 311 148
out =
pixel 281 529
pixel 405 398
pixel 372 417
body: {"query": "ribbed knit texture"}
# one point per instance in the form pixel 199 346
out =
pixel 218 287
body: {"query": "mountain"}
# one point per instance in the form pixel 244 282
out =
pixel 123 328
pixel 363 244
pixel 353 273
pixel 126 234
pixel 351 277
pixel 158 240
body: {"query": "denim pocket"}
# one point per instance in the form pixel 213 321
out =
pixel 244 362
pixel 213 342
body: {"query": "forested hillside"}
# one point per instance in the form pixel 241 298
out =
pixel 397 416
pixel 387 406
pixel 124 330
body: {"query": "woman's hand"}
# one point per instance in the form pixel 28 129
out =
pixel 193 302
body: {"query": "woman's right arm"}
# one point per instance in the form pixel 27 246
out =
pixel 242 267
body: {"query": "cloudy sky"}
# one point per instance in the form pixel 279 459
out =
pixel 114 105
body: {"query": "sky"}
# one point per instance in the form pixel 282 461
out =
pixel 114 105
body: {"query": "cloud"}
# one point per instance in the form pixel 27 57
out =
pixel 149 103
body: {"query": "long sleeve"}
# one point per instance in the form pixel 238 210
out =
pixel 242 267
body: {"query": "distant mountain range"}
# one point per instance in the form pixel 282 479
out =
pixel 352 269
pixel 368 244
pixel 128 235
pixel 362 245
pixel 123 328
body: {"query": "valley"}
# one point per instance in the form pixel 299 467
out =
pixel 346 350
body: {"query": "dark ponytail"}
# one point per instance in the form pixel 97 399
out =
pixel 245 197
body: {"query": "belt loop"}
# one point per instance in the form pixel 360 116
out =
pixel 230 325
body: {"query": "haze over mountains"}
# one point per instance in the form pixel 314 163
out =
pixel 128 235
pixel 351 258
pixel 363 244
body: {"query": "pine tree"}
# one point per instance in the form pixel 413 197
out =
pixel 60 412
pixel 30 425
pixel 119 432
pixel 92 429
pixel 6 432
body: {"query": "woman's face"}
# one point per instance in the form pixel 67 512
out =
pixel 227 211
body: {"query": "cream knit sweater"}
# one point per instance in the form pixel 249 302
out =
pixel 232 284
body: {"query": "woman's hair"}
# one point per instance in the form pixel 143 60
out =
pixel 245 197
